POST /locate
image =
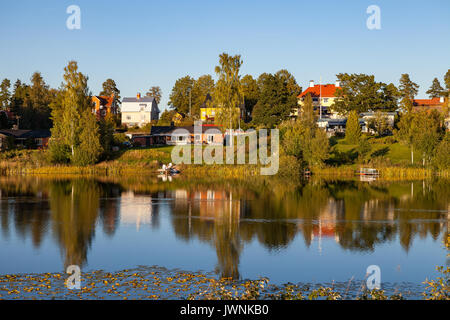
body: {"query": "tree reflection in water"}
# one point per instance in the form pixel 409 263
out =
pixel 228 214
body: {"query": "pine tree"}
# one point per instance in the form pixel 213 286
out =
pixel 436 89
pixel 447 80
pixel 5 95
pixel 156 93
pixel 408 90
pixel 353 129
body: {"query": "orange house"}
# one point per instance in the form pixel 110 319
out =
pixel 103 105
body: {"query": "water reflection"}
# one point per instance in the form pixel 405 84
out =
pixel 356 215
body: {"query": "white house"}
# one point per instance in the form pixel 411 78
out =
pixel 139 111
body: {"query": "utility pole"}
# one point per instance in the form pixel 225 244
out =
pixel 320 97
pixel 190 102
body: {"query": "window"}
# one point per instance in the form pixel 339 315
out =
pixel 210 138
pixel 325 100
pixel 128 117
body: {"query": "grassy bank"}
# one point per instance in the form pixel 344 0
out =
pixel 391 159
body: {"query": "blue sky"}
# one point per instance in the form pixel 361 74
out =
pixel 144 43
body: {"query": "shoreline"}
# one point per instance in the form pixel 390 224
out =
pixel 219 171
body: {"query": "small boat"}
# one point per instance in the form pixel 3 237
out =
pixel 168 170
pixel 368 172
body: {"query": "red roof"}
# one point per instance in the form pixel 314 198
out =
pixel 326 90
pixel 427 102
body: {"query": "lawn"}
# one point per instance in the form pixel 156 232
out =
pixel 385 147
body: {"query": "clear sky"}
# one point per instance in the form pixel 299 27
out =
pixel 140 44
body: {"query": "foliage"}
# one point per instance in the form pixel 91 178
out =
pixel 275 101
pixel 353 129
pixel 5 95
pixel 436 89
pixel 89 149
pixel 228 93
pixel 179 97
pixel 303 139
pixel 250 90
pixel 379 124
pixel 109 89
pixel 442 156
pixel 155 92
pixel 408 90
pixel 361 93
pixel 74 124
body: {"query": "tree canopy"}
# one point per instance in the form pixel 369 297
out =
pixel 436 89
pixel 361 93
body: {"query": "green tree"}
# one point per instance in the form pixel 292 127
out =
pixel 166 117
pixel 88 150
pixel 426 132
pixel 303 139
pixel 275 101
pixel 379 124
pixel 5 95
pixel 106 128
pixel 436 89
pixel 422 131
pixel 180 95
pixel 75 127
pixel 404 133
pixel 447 80
pixel 228 93
pixel 156 93
pixel 408 90
pixel 250 90
pixel 353 129
pixel 40 97
pixel 109 89
pixel 203 88
pixel 290 82
pixel 442 156
pixel 361 93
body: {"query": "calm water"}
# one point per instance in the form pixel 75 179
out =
pixel 320 231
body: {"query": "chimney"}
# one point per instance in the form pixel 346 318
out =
pixel 138 96
pixel 311 83
pixel 338 83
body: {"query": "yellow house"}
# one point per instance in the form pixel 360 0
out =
pixel 323 95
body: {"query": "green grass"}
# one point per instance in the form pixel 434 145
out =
pixel 395 152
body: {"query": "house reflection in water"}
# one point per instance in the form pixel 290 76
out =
pixel 135 209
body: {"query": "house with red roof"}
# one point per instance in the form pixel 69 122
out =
pixel 323 96
pixel 433 104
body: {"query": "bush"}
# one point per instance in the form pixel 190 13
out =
pixel 59 153
pixel 442 156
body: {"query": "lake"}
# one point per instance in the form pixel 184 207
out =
pixel 318 231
